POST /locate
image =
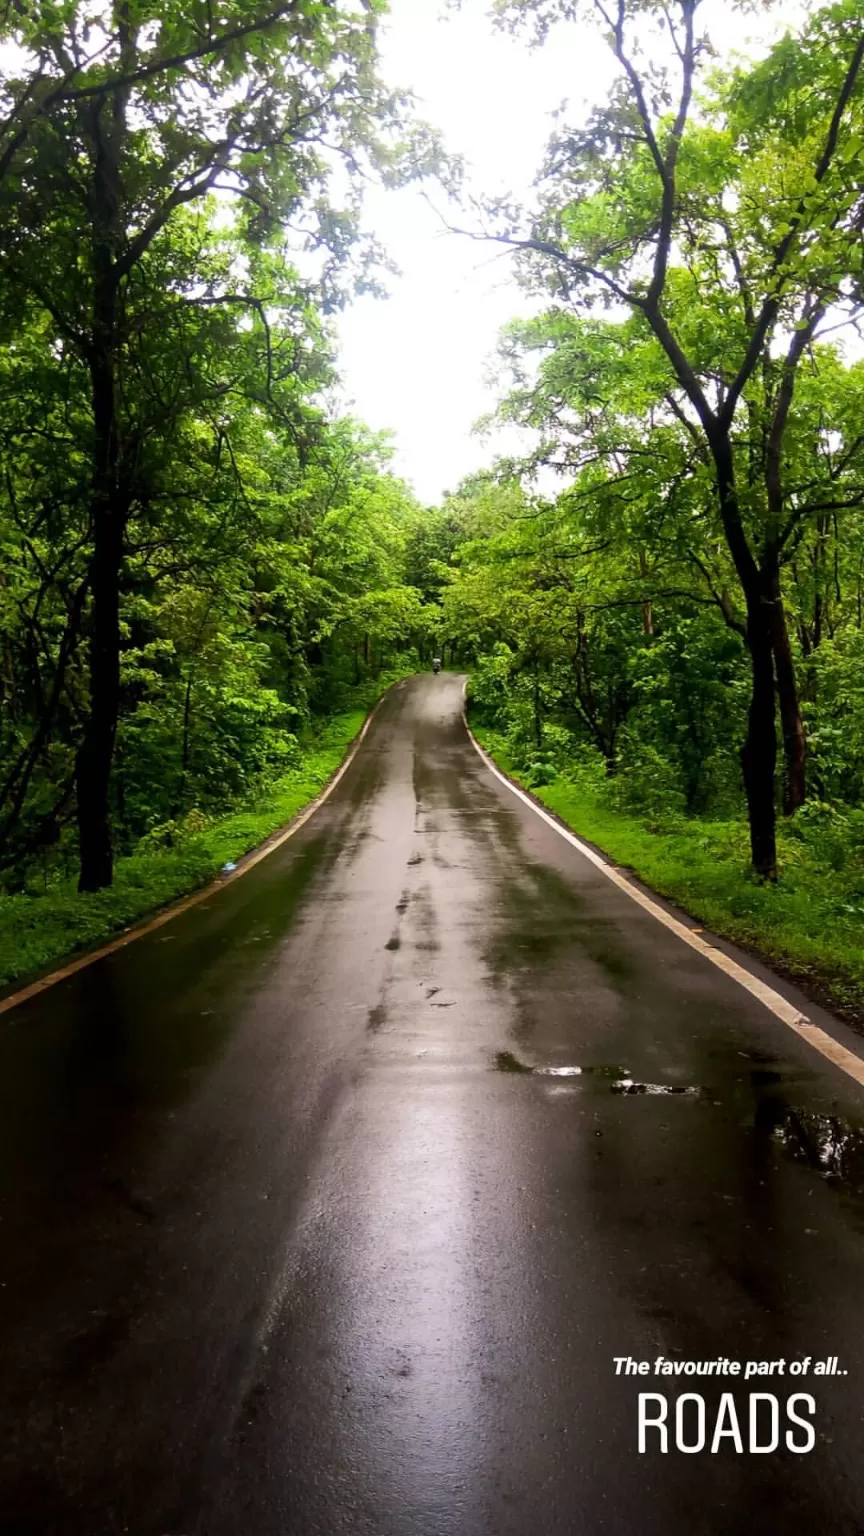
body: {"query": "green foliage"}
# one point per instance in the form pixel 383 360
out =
pixel 581 651
pixel 835 714
pixel 257 592
pixel 259 546
pixel 184 529
pixel 49 920
pixel 718 213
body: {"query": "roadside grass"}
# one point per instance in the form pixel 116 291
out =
pixel 37 930
pixel 809 926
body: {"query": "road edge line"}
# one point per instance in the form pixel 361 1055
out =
pixel 780 1006
pixel 183 903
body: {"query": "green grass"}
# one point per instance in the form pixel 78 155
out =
pixel 809 926
pixel 38 930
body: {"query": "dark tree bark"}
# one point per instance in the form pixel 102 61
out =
pixel 109 506
pixel 792 723
pixel 759 752
pixel 95 755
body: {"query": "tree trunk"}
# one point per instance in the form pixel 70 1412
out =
pixel 7 672
pixel 759 752
pixel 109 511
pixel 110 499
pixel 95 755
pixel 794 737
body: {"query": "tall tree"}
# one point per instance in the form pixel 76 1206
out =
pixel 757 195
pixel 119 118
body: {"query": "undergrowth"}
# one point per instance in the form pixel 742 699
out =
pixel 41 926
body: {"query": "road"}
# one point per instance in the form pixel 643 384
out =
pixel 290 1245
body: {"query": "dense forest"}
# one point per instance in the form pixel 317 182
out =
pixel 196 551
pixel 662 600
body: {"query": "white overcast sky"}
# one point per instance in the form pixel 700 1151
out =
pixel 417 363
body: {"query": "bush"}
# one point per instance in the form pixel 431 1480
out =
pixel 646 782
pixel 541 770
pixel 825 831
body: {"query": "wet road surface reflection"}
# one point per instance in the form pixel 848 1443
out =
pixel 327 1208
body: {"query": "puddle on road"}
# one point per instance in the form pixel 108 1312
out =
pixel 628 1085
pixel 620 1082
pixel 826 1143
pixel 819 1140
pixel 505 1061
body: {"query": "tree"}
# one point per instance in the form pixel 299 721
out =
pixel 270 548
pixel 118 122
pixel 739 221
pixel 596 392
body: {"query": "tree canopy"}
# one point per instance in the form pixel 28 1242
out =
pixel 699 239
pixel 200 557
pixel 185 527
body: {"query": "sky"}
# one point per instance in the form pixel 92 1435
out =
pixel 420 362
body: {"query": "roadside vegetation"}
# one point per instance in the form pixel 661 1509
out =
pixel 808 925
pixel 203 564
pixel 49 919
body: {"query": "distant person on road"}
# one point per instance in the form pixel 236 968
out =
pixel 436 663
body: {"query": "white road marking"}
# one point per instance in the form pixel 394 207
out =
pixel 846 1060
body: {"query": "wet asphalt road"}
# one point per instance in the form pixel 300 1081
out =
pixel 285 1250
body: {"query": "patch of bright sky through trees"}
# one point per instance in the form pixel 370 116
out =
pixel 420 363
